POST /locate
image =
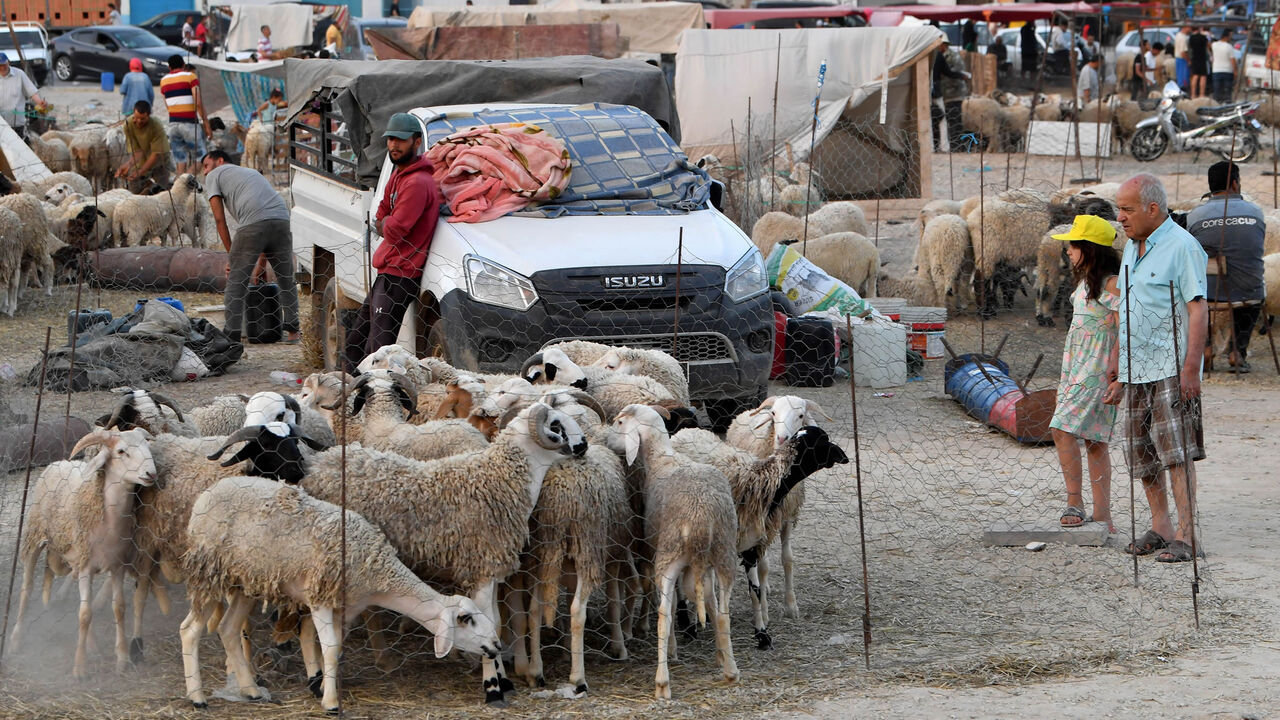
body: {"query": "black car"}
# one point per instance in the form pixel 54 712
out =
pixel 168 26
pixel 109 48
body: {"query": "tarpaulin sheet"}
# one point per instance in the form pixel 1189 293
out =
pixel 623 163
pixel 651 27
pixel 719 71
pixel 242 86
pixel 290 26
pixel 370 92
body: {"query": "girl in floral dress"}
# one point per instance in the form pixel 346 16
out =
pixel 1085 410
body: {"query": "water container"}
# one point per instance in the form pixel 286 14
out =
pixel 926 328
pixel 262 315
pixel 879 354
pixel 174 303
pixel 890 307
pixel 108 82
pixel 76 325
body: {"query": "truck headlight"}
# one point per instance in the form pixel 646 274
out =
pixel 491 283
pixel 746 278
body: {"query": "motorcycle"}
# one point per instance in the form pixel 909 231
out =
pixel 1230 130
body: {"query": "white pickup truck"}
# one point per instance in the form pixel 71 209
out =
pixel 612 268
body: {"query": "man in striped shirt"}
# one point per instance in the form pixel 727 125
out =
pixel 265 52
pixel 181 90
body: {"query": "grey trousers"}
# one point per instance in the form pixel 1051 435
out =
pixel 273 238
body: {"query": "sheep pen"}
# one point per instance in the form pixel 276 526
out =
pixel 946 612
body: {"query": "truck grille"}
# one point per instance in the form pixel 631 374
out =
pixel 691 347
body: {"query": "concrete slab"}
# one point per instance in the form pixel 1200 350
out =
pixel 1005 533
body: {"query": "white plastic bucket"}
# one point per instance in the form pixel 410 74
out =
pixel 879 354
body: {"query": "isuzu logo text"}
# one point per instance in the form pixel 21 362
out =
pixel 628 282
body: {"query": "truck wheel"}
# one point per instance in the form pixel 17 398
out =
pixel 63 69
pixel 436 345
pixel 327 326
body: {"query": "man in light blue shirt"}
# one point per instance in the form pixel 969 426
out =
pixel 1162 289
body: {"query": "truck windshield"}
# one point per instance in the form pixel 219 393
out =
pixel 27 40
pixel 623 162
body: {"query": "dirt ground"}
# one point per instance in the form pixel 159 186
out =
pixel 958 629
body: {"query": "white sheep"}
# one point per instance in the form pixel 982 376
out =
pixel 10 260
pixel 141 217
pixel 53 153
pixel 759 431
pixel 380 402
pixel 613 390
pixel 89 156
pixel 985 117
pixel 946 260
pixel 933 209
pixel 1271 273
pixel 463 520
pixel 82 518
pixel 773 228
pixel 151 411
pixel 848 257
pixel 253 539
pixel 76 181
pixel 225 414
pixel 1007 232
pixel 798 200
pixel 760 488
pixel 653 364
pixel 835 217
pixel 258 146
pixel 691 526
pixel 38 243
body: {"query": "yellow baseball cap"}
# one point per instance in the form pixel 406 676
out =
pixel 1090 228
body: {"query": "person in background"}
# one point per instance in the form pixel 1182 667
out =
pixel 969 37
pixel 950 88
pixel 1030 45
pixel 148 145
pixel 202 38
pixel 394 10
pixel 1151 63
pixel 1198 53
pixel 1062 45
pixel 113 15
pixel 262 229
pixel 15 89
pixel 275 101
pixel 189 35
pixel 406 220
pixel 1162 288
pixel 1081 414
pixel 1001 54
pixel 1182 56
pixel 265 51
pixel 1223 57
pixel 135 86
pixel 1232 231
pixel 181 90
pixel 1138 83
pixel 1089 84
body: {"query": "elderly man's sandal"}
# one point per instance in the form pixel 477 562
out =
pixel 1147 544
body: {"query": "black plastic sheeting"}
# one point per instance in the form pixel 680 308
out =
pixel 370 92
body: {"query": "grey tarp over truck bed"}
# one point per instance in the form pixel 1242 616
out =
pixel 371 91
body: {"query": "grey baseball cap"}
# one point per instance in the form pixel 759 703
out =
pixel 403 126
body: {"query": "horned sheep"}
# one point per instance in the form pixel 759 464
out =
pixel 141 217
pixel 82 518
pixel 382 400
pixel 254 539
pixel 613 390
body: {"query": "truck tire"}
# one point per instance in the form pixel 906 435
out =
pixel 63 69
pixel 436 345
pixel 722 412
pixel 327 326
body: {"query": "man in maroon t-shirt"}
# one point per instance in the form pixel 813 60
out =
pixel 406 220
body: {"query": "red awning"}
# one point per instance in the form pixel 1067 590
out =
pixel 723 19
pixel 996 12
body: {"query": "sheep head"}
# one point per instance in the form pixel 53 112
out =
pixel 140 408
pixel 636 427
pixel 268 406
pixel 58 193
pixel 787 414
pixel 271 450
pixel 125 456
pixel 460 397
pixel 388 381
pixel 463 625
pixel 550 364
pixel 324 391
pixel 548 428
pixel 814 451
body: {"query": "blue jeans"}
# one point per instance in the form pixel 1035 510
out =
pixel 1183 73
pixel 1223 82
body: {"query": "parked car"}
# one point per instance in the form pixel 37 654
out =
pixel 168 26
pixel 355 46
pixel 34 44
pixel 109 48
pixel 955 32
pixel 1012 39
pixel 1131 41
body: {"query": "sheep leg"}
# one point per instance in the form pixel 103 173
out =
pixel 309 645
pixel 790 609
pixel 376 624
pixel 330 647
pixel 144 567
pixel 191 630
pixel 516 602
pixel 117 609
pixel 763 570
pixel 666 603
pixel 24 595
pixel 577 627
pixel 495 680
pixel 533 673
pixel 616 601
pixel 230 630
pixel 751 561
pixel 724 643
pixel 85 579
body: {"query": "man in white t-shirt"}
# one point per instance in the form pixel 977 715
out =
pixel 1222 56
pixel 1182 56
pixel 1149 59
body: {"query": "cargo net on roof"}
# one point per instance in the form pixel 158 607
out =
pixel 935 471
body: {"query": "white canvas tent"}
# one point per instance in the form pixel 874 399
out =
pixel 717 71
pixel 652 27
pixel 291 25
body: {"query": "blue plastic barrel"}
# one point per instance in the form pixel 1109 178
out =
pixel 108 81
pixel 972 389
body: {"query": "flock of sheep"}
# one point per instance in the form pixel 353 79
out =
pixel 585 471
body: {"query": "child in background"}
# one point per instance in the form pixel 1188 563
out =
pixel 275 101
pixel 1087 390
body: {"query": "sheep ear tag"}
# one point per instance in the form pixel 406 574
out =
pixel 442 628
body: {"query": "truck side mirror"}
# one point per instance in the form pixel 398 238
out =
pixel 717 195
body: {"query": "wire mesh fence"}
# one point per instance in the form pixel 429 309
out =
pixel 949 470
